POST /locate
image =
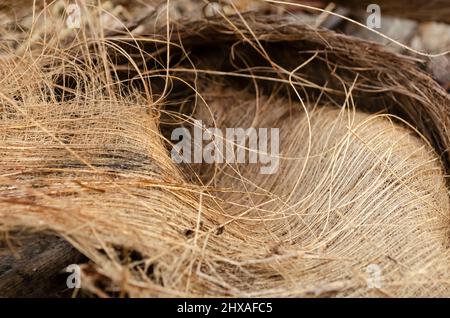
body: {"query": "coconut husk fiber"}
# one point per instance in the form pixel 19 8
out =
pixel 361 181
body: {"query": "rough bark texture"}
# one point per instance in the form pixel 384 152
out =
pixel 34 266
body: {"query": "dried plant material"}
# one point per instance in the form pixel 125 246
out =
pixel 358 207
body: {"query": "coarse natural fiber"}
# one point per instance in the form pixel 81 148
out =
pixel 367 193
pixel 360 186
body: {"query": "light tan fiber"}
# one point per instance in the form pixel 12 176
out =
pixel 85 122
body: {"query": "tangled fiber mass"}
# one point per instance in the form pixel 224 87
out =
pixel 85 154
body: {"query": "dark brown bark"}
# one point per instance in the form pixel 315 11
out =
pixel 34 266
